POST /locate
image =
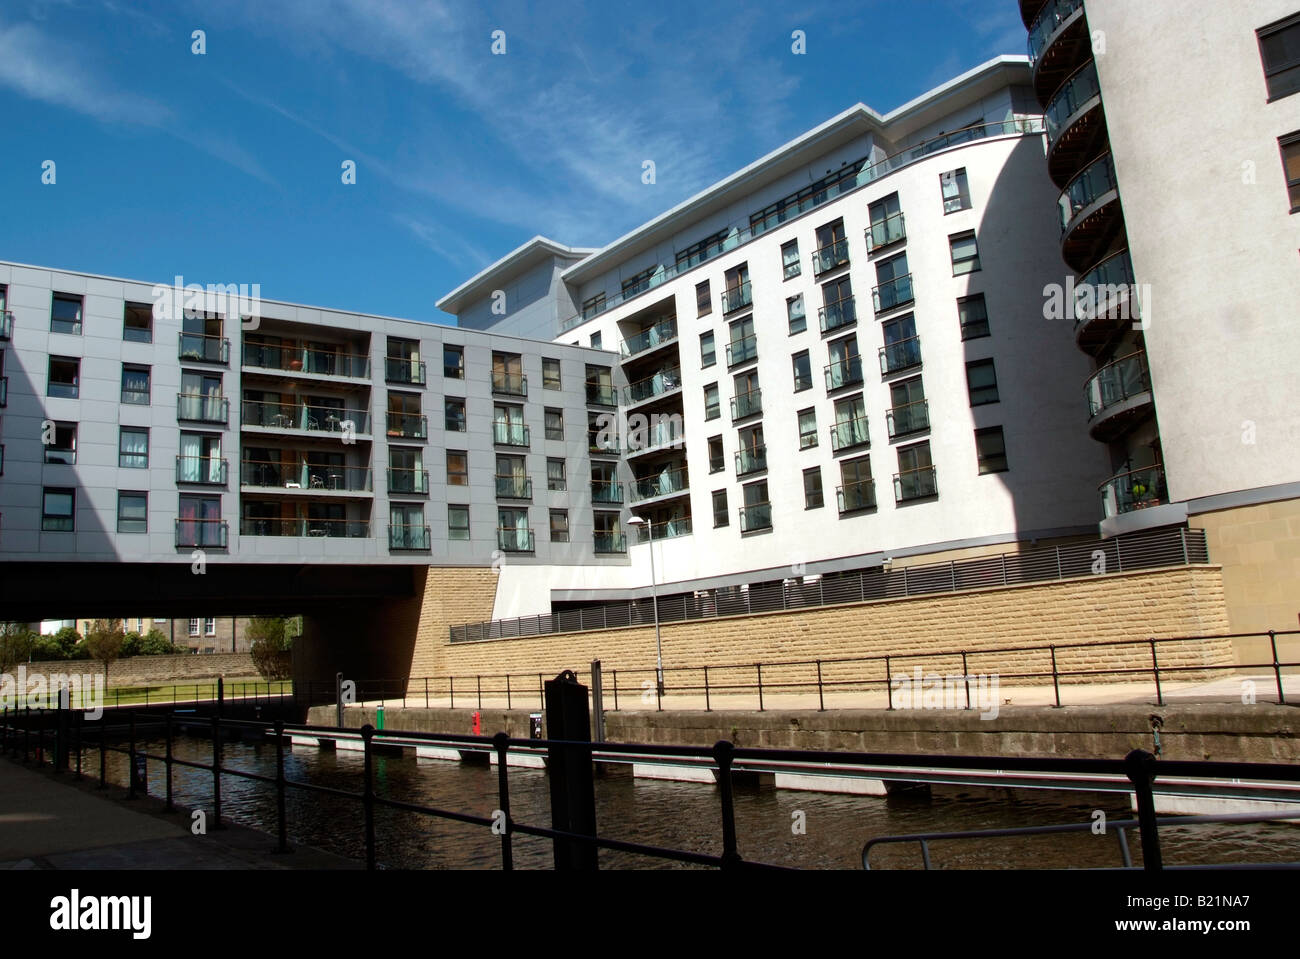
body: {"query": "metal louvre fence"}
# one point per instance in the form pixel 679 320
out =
pixel 1121 554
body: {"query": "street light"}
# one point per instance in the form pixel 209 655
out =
pixel 637 522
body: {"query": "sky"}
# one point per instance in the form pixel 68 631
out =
pixel 227 166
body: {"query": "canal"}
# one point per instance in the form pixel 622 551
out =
pixel 803 829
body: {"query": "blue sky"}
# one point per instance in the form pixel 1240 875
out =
pixel 226 167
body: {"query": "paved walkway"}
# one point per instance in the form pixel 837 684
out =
pixel 49 822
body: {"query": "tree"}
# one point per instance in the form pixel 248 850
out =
pixel 16 643
pixel 272 646
pixel 68 641
pixel 104 641
pixel 131 644
pixel 156 643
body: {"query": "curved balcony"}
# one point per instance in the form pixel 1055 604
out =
pixel 1029 10
pixel 1081 137
pixel 1090 213
pixel 1119 397
pixel 1136 489
pixel 1058 42
pixel 1070 100
pixel 1104 302
pixel 667 483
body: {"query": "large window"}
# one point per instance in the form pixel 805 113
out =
pixel 458 522
pixel 991 449
pixel 795 313
pixel 974 317
pixel 982 381
pixel 132 512
pixel 555 478
pixel 1291 167
pixel 62 445
pixel 133 448
pixel 550 373
pixel 802 371
pixel 807 428
pixel 135 385
pixel 790 259
pixel 137 323
pixel 956 192
pixel 554 424
pixel 454 417
pixel 57 510
pixel 65 314
pixel 708 350
pixel 965 253
pixel 720 516
pixel 457 468
pixel 64 378
pixel 812 488
pixel 453 362
pixel 559 526
pixel 1279 48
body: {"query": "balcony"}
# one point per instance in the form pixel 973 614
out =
pixel 408 482
pixel 746 404
pixel 297 474
pixel 1104 302
pixel 6 325
pixel 882 233
pixel 611 542
pixel 1136 489
pixel 668 529
pixel 601 394
pixel 514 540
pixel 842 373
pixel 510 434
pixel 908 418
pixel 303 359
pixel 202 470
pixel 299 528
pixel 664 432
pixel 606 448
pixel 202 533
pixel 850 435
pixel 4 391
pixel 199 347
pixel 1076 93
pixel 1119 397
pixel 837 314
pixel 509 384
pixel 664 381
pixel 893 294
pixel 756 516
pixel 514 487
pixel 735 298
pixel 1048 21
pixel 409 426
pixel 403 369
pixel 316 419
pixel 409 536
pixel 202 408
pixel 751 459
pixel 855 497
pixel 667 483
pixel 901 355
pixel 830 257
pixel 661 334
pixel 609 492
pixel 1090 213
pixel 915 484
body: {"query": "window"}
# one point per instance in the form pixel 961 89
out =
pixel 802 371
pixel 137 323
pixel 703 299
pixel 708 351
pixel 812 488
pixel 453 362
pixel 550 374
pixel 956 192
pixel 991 449
pixel 886 223
pixel 790 259
pixel 717 458
pixel 982 381
pixel 454 415
pixel 458 522
pixel 554 424
pixel 838 305
pixel 965 254
pixel 700 251
pixel 402 363
pixel 850 429
pixel 832 249
pixel 57 510
pixel 974 317
pixel 65 374
pixel 595 340
pixel 1290 146
pixel 135 385
pixel 61 444
pixel 744 344
pixel 858 491
pixel 916 477
pixel 757 513
pixel 559 526
pixel 133 448
pixel 65 314
pixel 737 293
pixel 794 311
pixel 720 517
pixel 457 468
pixel 712 407
pixel 209 627
pixel 593 305
pixel 555 479
pixel 748 398
pixel 807 428
pixel 194 627
pixel 1279 48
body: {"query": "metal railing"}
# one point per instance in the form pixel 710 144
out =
pixel 610 542
pixel 602 394
pixel 510 486
pixel 894 293
pixel 1046 23
pixel 755 516
pixel 751 459
pixel 6 325
pixel 837 314
pixel 908 418
pixel 915 484
pixel 302 416
pixel 660 382
pixel 306 359
pixel 509 384
pixel 1103 285
pixel 202 469
pixel 202 408
pixel 315 528
pixel 850 434
pixel 664 483
pixel 1074 93
pixel 401 369
pixel 510 434
pixel 1118 554
pixel 845 372
pixel 886 232
pixel 212 533
pixel 742 350
pixel 665 331
pixel 512 539
pixel 900 355
pixel 746 404
pixel 277 474
pixel 202 347
pixel 1097 178
pixel 1136 489
pixel 830 257
pixel 736 298
pixel 407 425
pixel 856 496
pixel 409 536
pixel 668 529
pixel 606 491
pixel 408 480
pixel 1117 381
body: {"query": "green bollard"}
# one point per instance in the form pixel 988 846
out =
pixel 379 717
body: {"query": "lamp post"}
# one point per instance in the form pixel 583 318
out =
pixel 637 522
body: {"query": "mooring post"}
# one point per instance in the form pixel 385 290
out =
pixel 1140 766
pixel 597 702
pixel 573 789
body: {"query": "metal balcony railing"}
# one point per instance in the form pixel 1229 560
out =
pixel 606 491
pixel 894 293
pixel 756 516
pixel 510 434
pixel 746 404
pixel 661 382
pixel 202 533
pixel 514 487
pixel 512 539
pixel 1045 24
pixel 908 418
pixel 856 496
pixel 610 542
pixel 203 348
pixel 405 480
pixel 207 470
pixel 736 297
pixel 830 257
pixel 915 484
pixel 668 529
pixel 850 434
pixel 1074 93
pixel 4 391
pixel 6 325
pixel 1091 182
pixel 407 426
pixel 661 484
pixel 602 394
pixel 409 536
pixel 742 350
pixel 509 384
pixel 1136 489
pixel 292 416
pixel 202 408
pixel 751 459
pixel 400 369
pixel 845 372
pixel 886 232
pixel 305 359
pixel 1107 280
pixel 900 355
pixel 838 314
pixel 665 331
pixel 303 475
pixel 313 528
pixel 1117 381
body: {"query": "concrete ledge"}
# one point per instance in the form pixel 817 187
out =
pixel 831 784
pixel 679 774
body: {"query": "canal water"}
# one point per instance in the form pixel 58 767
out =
pixel 803 829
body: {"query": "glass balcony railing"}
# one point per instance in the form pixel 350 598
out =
pixel 901 355
pixel 1117 381
pixel 4 391
pixel 1109 279
pixel 606 491
pixel 667 431
pixel 403 369
pixel 202 408
pixel 1094 180
pixel 1136 489
pixel 207 470
pixel 662 332
pixel 1049 18
pixel 830 257
pixel 6 325
pixel 756 516
pixel 510 434
pixel 409 536
pixel 202 533
pixel 602 394
pixel 908 418
pixel 514 487
pixel 303 359
pixel 742 350
pixel 856 496
pixel 837 314
pixel 845 372
pixel 893 293
pixel 886 232
pixel 915 484
pixel 751 459
pixel 514 539
pixel 202 348
pixel 746 404
pixel 509 384
pixel 611 542
pixel 292 416
pixel 662 484
pixel 736 297
pixel 603 445
pixel 665 530
pixel 1074 93
pixel 407 426
pixel 408 481
pixel 850 434
pixel 664 381
pixel 300 474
